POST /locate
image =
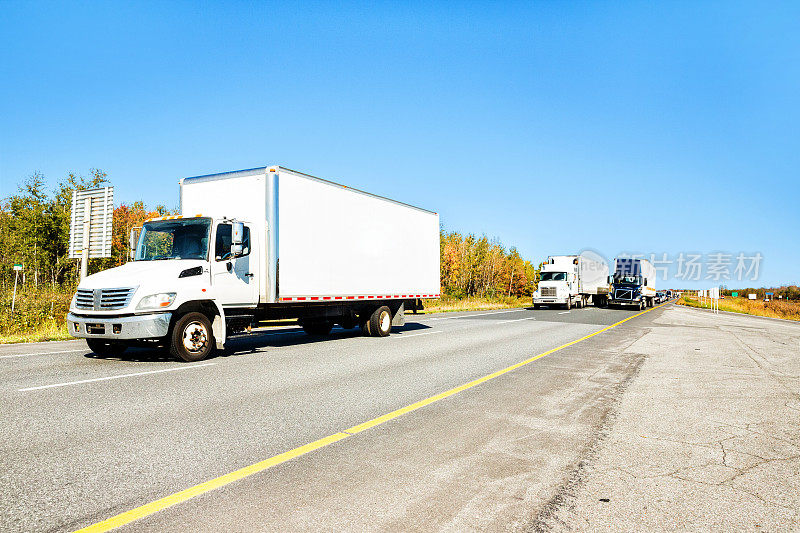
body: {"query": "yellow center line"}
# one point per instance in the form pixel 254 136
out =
pixel 207 486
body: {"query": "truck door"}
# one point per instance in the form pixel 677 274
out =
pixel 235 279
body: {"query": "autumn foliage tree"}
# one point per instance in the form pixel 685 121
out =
pixel 477 266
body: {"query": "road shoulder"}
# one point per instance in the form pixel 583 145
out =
pixel 705 438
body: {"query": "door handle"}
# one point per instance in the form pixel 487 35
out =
pixel 249 275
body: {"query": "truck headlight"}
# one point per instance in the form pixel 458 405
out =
pixel 156 301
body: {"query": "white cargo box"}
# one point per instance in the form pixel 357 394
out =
pixel 323 240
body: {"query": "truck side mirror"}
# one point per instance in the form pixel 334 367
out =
pixel 134 241
pixel 237 236
pixel 645 281
pixel 237 233
pixel 609 280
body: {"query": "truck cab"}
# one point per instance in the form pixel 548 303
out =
pixel 558 283
pixel 633 284
pixel 196 267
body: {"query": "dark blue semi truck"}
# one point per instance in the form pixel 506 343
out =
pixel 633 283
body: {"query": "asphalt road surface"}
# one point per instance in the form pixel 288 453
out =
pixel 86 438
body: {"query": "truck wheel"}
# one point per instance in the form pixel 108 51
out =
pixel 536 306
pixel 191 339
pixel 317 327
pixel 568 305
pixel 642 305
pixel 380 322
pixel 102 347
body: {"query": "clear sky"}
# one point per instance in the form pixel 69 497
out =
pixel 555 126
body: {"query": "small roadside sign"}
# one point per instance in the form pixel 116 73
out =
pixel 17 268
pixel 751 296
pixel 734 294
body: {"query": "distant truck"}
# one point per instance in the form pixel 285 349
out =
pixel 633 283
pixel 264 243
pixel 572 280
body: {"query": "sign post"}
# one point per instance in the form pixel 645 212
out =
pixel 17 270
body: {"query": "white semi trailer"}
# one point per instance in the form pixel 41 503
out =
pixel 264 243
pixel 572 280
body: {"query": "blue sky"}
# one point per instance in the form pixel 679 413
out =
pixel 554 126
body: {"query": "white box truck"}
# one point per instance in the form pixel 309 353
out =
pixel 258 244
pixel 633 283
pixel 572 280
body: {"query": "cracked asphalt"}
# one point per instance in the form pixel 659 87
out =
pixel 705 438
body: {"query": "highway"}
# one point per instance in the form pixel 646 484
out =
pixel 87 439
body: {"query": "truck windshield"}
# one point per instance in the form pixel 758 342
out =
pixel 174 239
pixel 554 276
pixel 636 280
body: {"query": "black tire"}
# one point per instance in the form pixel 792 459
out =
pixel 103 347
pixel 568 305
pixel 642 305
pixel 317 327
pixel 536 306
pixel 191 338
pixel 380 322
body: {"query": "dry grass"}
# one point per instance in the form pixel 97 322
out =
pixel 39 315
pixel 447 303
pixel 789 310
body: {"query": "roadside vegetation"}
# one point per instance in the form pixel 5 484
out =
pixel 789 310
pixel 476 272
pixel 448 303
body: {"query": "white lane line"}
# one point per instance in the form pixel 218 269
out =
pixel 114 377
pixel 479 314
pixel 563 312
pixel 416 334
pixel 41 353
pixel 516 320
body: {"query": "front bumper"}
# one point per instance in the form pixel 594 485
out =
pixel 549 300
pixel 150 326
pixel 612 301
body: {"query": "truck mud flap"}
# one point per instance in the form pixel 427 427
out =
pixel 399 315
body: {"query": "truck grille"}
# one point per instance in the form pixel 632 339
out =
pixel 85 299
pixel 548 292
pixel 104 299
pixel 623 294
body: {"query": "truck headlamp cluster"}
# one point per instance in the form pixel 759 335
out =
pixel 156 301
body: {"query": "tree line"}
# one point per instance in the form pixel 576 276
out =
pixel 478 266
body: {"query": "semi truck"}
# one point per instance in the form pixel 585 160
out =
pixel 266 243
pixel 633 283
pixel 572 280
